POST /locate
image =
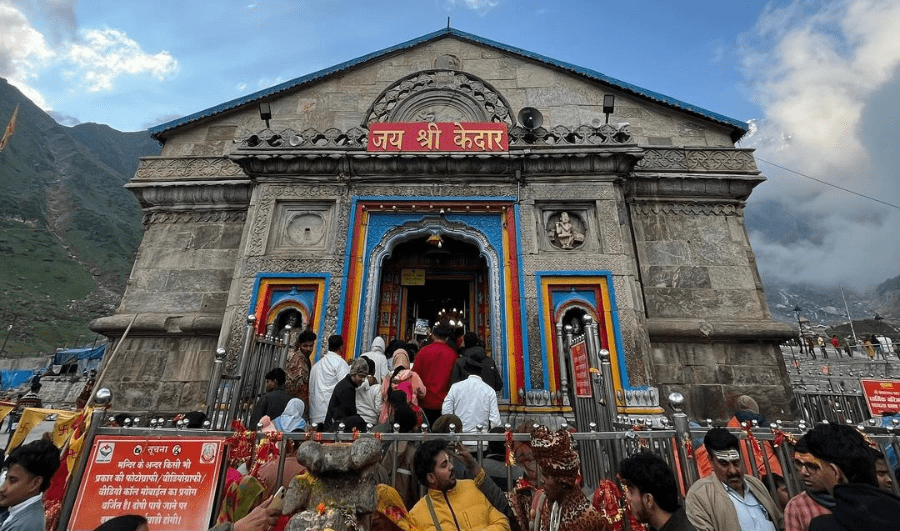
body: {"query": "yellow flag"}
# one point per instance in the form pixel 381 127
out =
pixel 4 411
pixel 78 428
pixel 62 429
pixel 31 417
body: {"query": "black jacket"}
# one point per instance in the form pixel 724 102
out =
pixel 271 404
pixel 342 404
pixel 860 507
pixel 489 373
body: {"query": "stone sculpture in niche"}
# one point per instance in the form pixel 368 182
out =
pixel 565 232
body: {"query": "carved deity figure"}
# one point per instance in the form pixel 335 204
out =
pixel 564 232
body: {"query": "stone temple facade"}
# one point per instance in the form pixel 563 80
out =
pixel 632 216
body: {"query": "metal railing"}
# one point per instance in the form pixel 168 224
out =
pixel 232 396
pixel 677 443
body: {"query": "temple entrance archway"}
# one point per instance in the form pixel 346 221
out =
pixel 431 279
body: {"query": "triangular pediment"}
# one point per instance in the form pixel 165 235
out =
pixel 345 95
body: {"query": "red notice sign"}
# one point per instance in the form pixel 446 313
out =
pixel 582 370
pixel 442 136
pixel 881 395
pixel 170 481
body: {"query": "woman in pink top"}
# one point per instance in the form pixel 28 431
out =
pixel 404 380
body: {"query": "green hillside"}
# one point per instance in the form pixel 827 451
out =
pixel 68 228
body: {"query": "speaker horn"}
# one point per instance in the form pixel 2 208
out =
pixel 530 118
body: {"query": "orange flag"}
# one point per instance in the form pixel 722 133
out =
pixel 10 129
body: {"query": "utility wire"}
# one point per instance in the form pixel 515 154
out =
pixel 829 184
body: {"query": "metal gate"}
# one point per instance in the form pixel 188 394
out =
pixel 232 396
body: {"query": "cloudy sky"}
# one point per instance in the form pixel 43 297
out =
pixel 818 81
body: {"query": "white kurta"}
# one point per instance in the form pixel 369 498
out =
pixel 325 374
pixel 474 402
pixel 368 402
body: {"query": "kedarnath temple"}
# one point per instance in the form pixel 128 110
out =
pixel 542 205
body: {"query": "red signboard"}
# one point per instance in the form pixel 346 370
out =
pixel 881 395
pixel 170 481
pixel 431 136
pixel 582 370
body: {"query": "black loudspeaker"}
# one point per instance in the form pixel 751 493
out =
pixel 530 118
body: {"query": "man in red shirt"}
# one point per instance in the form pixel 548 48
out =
pixel 433 364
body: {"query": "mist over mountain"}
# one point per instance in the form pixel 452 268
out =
pixel 68 227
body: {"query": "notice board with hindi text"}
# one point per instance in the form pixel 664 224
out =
pixel 171 481
pixel 881 395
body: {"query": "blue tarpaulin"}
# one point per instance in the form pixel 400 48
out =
pixel 10 379
pixel 73 355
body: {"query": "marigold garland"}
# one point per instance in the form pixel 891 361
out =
pixel 510 453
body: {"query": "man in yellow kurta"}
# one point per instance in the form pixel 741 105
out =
pixel 450 504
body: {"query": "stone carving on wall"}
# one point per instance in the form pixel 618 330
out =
pixel 693 159
pixel 182 167
pixel 565 231
pixel 440 95
pixel 583 135
pixel 300 226
pixel 447 62
pixel 217 216
pixel 688 209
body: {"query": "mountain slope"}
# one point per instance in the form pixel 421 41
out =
pixel 68 228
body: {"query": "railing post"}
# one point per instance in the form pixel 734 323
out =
pixel 608 388
pixel 282 357
pixel 683 434
pixel 237 390
pixel 561 347
pixel 215 383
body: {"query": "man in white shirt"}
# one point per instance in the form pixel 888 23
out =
pixel 472 400
pixel 29 469
pixel 325 374
pixel 377 355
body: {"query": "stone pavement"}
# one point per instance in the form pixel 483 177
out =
pixel 827 375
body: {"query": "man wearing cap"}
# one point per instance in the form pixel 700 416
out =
pixel 472 400
pixel 342 406
pixel 566 508
pixel 728 500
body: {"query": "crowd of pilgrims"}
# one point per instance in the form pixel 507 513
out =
pixel 450 384
pixel 534 484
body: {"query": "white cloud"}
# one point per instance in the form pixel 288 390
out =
pixel 94 60
pixel 474 5
pixel 108 54
pixel 824 75
pixel 241 87
pixel 23 51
